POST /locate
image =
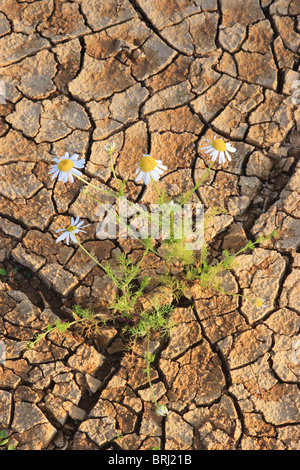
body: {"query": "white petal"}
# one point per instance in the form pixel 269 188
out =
pixel 53 168
pixel 222 157
pixel 66 155
pixel 158 170
pixel 80 224
pixel 215 154
pixel 54 175
pixel 79 164
pixel 163 167
pixel 227 155
pixel 73 238
pixel 154 175
pixel 57 160
pixel 61 230
pixel 139 177
pixel 76 172
pixel 60 176
pixel 70 176
pixel 209 149
pixel 74 157
pixel 62 236
pixel 76 221
pixel 147 178
pixel 230 149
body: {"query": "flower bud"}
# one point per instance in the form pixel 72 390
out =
pixel 84 189
pixel 162 410
pixel 110 148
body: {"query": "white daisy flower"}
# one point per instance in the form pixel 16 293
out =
pixel 260 303
pixel 219 148
pixel 149 168
pixel 75 227
pixel 66 167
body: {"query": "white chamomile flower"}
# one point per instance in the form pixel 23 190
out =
pixel 219 148
pixel 149 168
pixel 75 227
pixel 66 167
pixel 260 303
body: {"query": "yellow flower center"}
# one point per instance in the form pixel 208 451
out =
pixel 147 163
pixel 71 228
pixel 259 303
pixel 65 165
pixel 219 144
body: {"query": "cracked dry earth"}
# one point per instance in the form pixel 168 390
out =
pixel 159 77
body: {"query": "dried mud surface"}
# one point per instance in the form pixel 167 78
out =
pixel 159 77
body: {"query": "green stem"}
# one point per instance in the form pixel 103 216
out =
pixel 31 344
pixel 110 193
pixel 89 254
pixel 137 267
pixel 102 267
pixel 142 258
pixel 197 185
pixel 115 195
pixel 242 250
pixel 112 167
pixel 233 294
pixel 151 387
pixel 256 242
pixel 156 188
pixel 120 220
pixel 148 372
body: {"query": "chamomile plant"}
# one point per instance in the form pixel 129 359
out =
pixel 184 267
